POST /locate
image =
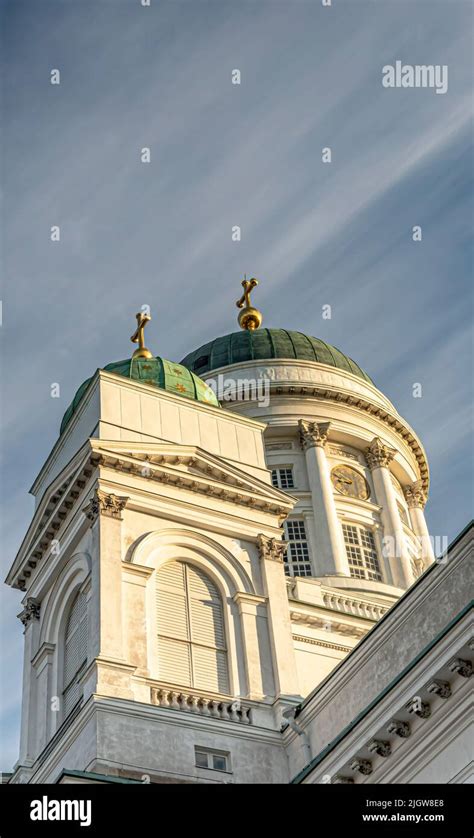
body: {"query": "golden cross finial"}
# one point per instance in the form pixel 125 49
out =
pixel 138 336
pixel 249 318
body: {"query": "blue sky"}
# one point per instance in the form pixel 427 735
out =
pixel 224 155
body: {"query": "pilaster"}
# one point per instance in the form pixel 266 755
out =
pixel 271 552
pixel 104 512
pixel 249 607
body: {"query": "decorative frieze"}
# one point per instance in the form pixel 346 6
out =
pixel 229 711
pixel 102 503
pixel 336 451
pixel 415 496
pixel 441 688
pixel 399 728
pixel 378 454
pixel 462 667
pixel 313 434
pixel 272 549
pixel 30 612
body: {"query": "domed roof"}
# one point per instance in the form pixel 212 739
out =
pixel 265 344
pixel 158 372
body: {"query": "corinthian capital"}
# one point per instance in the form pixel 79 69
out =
pixel 312 433
pixel 104 504
pixel 271 548
pixel 414 495
pixel 378 454
pixel 30 612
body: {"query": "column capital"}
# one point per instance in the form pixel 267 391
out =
pixel 378 454
pixel 414 495
pixel 105 504
pixel 313 434
pixel 30 612
pixel 271 548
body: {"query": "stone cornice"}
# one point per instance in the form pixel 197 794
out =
pixel 415 495
pixel 313 434
pixel 328 624
pixel 51 519
pixel 314 641
pixel 271 549
pixel 366 398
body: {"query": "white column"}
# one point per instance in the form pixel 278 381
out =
pixel 285 675
pixel 416 500
pixel 379 457
pixel 331 553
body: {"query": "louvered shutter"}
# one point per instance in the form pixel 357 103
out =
pixel 75 652
pixel 207 631
pixel 191 636
pixel 174 651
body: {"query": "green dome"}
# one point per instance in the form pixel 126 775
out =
pixel 265 344
pixel 155 371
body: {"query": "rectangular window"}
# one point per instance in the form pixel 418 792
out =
pixel 213 760
pixel 297 561
pixel 361 552
pixel 282 478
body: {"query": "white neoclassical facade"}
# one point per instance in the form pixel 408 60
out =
pixel 194 569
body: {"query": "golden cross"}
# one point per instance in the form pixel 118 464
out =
pixel 249 318
pixel 138 336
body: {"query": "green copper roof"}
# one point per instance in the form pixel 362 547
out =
pixel 155 371
pixel 264 344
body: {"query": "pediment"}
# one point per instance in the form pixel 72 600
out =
pixel 191 467
pixel 186 467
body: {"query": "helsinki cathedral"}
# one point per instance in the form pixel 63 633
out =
pixel 197 568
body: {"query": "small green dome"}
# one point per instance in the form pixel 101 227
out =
pixel 155 371
pixel 265 344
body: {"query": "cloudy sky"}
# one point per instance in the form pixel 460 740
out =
pixel 224 155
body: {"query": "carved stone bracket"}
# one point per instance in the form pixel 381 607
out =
pixel 271 548
pixel 313 434
pixel 441 688
pixel 30 612
pixel 415 496
pixel 104 504
pixel 462 667
pixel 378 454
pixel 363 766
pixel 377 746
pixel 399 728
pixel 420 708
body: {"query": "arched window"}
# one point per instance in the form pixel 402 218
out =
pixel 191 636
pixel 75 653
